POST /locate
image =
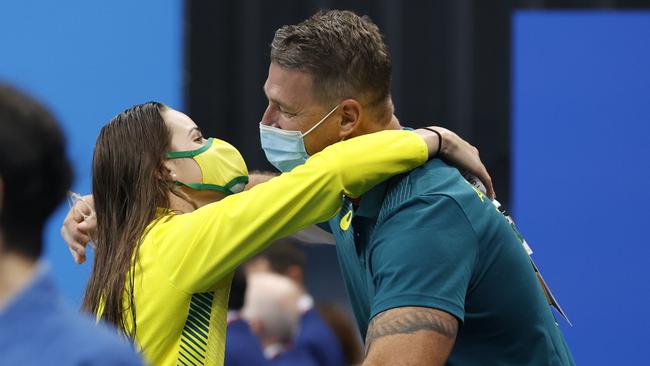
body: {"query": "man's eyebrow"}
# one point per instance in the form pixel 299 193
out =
pixel 273 100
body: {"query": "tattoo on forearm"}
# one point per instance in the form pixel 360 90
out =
pixel 407 322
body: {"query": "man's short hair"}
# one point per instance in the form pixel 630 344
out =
pixel 34 170
pixel 344 53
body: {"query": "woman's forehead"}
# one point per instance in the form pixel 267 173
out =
pixel 178 121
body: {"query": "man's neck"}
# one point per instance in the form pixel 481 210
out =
pixel 393 124
pixel 15 274
pixel 383 118
pixel 372 127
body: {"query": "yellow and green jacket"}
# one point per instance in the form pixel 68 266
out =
pixel 186 261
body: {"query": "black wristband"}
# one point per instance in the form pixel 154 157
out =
pixel 439 139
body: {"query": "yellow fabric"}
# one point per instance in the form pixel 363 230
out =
pixel 186 261
pixel 221 163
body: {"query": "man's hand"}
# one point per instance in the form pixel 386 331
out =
pixel 410 336
pixel 78 227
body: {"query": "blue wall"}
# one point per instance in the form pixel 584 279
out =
pixel 581 172
pixel 88 61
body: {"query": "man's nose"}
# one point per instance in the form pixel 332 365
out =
pixel 267 117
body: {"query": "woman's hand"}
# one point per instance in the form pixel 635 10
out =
pixel 458 153
pixel 79 226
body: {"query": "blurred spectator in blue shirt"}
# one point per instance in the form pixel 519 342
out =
pixel 314 335
pixel 37 327
pixel 271 308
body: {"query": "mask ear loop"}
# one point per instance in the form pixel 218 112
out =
pixel 186 154
pixel 321 121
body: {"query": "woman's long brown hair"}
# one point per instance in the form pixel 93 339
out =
pixel 129 183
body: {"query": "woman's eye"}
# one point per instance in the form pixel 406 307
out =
pixel 199 139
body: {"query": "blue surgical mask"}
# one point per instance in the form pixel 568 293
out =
pixel 284 149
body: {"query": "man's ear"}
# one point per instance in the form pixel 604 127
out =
pixel 351 113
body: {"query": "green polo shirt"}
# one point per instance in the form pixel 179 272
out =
pixel 429 239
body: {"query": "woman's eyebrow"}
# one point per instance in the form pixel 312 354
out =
pixel 193 129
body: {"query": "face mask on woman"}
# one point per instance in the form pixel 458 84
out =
pixel 222 167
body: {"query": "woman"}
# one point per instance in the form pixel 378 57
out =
pixel 170 231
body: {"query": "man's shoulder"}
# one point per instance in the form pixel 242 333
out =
pixel 99 341
pixel 434 180
pixel 435 177
pixel 239 329
pixel 64 336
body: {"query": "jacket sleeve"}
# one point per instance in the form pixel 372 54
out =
pixel 198 249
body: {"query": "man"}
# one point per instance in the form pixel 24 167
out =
pixel 434 273
pixel 37 327
pixel 271 308
pixel 315 336
pixel 242 347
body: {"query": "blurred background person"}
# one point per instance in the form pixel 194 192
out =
pixel 284 257
pixel 37 327
pixel 243 348
pixel 271 308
